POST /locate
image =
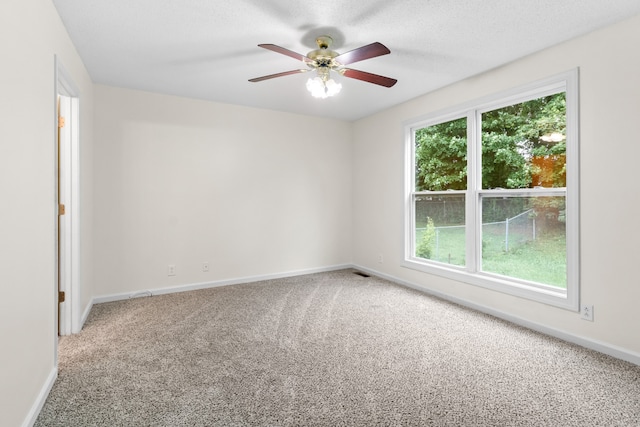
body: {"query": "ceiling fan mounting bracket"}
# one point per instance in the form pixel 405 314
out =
pixel 324 42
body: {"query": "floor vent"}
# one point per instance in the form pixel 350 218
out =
pixel 359 273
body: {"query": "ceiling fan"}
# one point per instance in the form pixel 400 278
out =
pixel 324 60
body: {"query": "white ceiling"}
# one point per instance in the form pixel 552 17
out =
pixel 207 49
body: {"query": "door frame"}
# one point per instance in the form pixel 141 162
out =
pixel 68 257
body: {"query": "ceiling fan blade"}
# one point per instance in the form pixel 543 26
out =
pixel 282 50
pixel 273 76
pixel 360 54
pixel 368 77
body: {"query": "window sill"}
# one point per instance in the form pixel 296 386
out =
pixel 547 295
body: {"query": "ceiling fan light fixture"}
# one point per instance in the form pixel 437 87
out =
pixel 333 87
pixel 320 88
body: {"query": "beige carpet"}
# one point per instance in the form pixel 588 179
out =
pixel 329 349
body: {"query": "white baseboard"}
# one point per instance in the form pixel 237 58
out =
pixel 214 284
pixel 41 399
pixel 599 346
pixel 85 315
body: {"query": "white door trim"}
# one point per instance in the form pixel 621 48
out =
pixel 70 188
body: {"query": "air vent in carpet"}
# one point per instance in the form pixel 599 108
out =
pixel 360 273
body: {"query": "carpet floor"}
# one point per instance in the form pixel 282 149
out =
pixel 327 349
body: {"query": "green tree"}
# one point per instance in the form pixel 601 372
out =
pixel 523 146
pixel 441 156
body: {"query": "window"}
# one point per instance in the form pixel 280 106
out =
pixel 492 192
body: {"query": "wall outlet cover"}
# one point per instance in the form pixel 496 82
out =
pixel 586 312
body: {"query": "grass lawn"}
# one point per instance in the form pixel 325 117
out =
pixel 542 260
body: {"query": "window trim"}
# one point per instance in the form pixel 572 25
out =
pixel 564 298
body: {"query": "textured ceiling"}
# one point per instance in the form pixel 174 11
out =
pixel 207 49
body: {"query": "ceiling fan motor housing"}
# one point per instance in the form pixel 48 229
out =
pixel 323 57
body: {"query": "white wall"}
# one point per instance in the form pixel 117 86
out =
pixel 31 34
pixel 181 181
pixel 610 230
pixel 255 192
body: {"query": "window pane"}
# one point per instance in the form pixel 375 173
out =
pixel 524 145
pixel 441 156
pixel 440 228
pixel 525 238
pixel 487 187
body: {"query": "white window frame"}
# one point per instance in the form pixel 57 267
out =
pixel 470 273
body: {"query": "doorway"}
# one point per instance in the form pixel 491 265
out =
pixel 68 206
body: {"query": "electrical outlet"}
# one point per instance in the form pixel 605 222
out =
pixel 205 267
pixel 171 270
pixel 586 312
pixel 380 259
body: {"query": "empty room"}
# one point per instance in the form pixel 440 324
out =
pixel 285 213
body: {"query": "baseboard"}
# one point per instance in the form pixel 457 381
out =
pixel 214 284
pixel 85 314
pixel 41 399
pixel 599 346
